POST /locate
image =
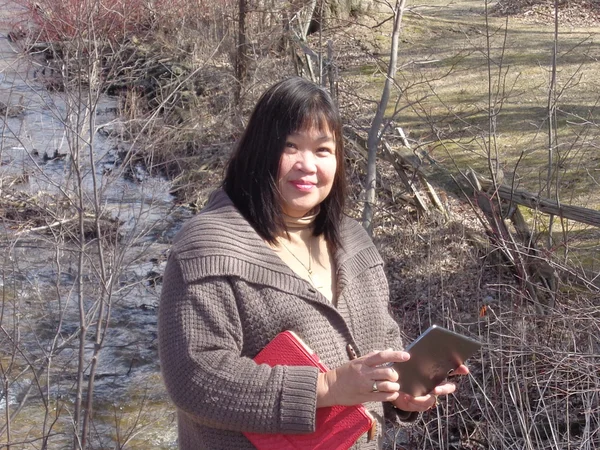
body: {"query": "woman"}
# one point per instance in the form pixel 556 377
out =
pixel 272 251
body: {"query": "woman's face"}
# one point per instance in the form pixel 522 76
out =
pixel 306 170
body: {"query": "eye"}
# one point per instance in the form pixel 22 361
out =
pixel 325 151
pixel 290 146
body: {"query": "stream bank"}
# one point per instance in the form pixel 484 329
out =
pixel 40 271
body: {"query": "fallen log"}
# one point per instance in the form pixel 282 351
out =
pixel 534 201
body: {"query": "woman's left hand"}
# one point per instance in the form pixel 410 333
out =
pixel 407 402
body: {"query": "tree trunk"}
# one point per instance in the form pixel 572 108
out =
pixel 376 126
pixel 241 62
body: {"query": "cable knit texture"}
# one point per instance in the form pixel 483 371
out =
pixel 225 295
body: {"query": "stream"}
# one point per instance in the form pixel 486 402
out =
pixel 37 279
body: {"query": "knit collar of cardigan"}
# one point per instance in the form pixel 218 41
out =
pixel 219 241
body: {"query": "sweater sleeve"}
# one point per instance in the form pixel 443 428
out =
pixel 200 342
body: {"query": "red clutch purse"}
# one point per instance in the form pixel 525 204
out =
pixel 338 427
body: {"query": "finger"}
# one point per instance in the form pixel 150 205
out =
pixel 444 389
pixel 423 399
pixel 460 370
pixel 383 397
pixel 384 373
pixel 435 402
pixel 385 386
pixel 427 402
pixel 386 356
pixel 409 403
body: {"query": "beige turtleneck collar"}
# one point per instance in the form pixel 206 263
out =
pixel 307 255
pixel 296 223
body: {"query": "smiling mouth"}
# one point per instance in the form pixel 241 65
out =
pixel 302 185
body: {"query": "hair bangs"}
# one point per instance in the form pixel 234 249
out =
pixel 318 116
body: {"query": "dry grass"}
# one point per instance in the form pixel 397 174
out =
pixel 535 383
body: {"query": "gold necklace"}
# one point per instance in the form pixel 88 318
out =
pixel 311 276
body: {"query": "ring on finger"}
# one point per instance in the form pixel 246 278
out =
pixel 374 388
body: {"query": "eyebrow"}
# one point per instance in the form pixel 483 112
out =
pixel 322 138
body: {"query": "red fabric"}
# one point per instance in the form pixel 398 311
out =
pixel 338 427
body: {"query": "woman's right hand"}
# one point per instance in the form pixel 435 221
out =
pixel 353 382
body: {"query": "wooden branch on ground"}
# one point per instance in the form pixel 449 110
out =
pixel 47 227
pixel 404 166
pixel 429 169
pixel 89 221
pixel 363 152
pixel 390 156
pixel 435 199
pixel 534 201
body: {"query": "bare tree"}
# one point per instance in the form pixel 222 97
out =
pixel 377 123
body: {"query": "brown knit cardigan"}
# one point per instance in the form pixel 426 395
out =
pixel 225 295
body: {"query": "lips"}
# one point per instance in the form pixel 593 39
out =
pixel 302 185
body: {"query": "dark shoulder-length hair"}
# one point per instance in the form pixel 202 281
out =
pixel 292 105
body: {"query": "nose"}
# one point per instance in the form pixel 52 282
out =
pixel 306 162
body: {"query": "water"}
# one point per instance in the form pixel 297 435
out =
pixel 39 274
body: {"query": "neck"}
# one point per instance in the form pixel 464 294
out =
pixel 300 223
pixel 307 255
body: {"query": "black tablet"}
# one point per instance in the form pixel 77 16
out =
pixel 432 356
